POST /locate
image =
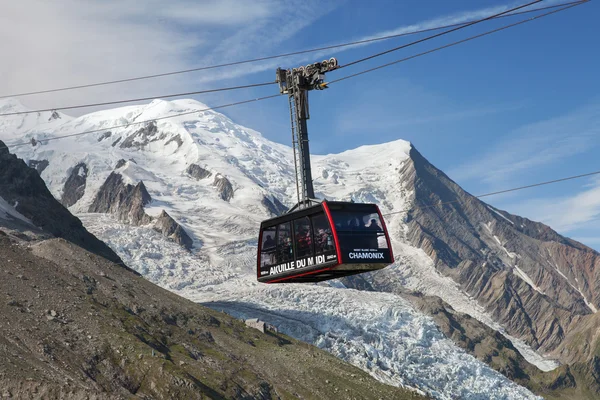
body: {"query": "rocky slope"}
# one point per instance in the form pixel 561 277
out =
pixel 75 325
pixel 491 347
pixel 23 188
pixel 127 201
pixel 536 283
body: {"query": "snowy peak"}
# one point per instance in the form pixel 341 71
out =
pixel 21 121
pixel 252 178
pixel 372 152
pixel 12 105
pixel 165 154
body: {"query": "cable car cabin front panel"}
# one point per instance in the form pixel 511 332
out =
pixel 326 241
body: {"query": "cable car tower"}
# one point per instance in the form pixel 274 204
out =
pixel 317 240
pixel 296 83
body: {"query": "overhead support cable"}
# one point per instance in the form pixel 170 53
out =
pixel 443 203
pixel 295 53
pixel 425 39
pixel 141 122
pixel 164 96
pixel 456 43
pixel 570 5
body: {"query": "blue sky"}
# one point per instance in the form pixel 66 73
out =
pixel 517 107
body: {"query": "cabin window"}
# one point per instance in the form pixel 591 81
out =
pixel 303 237
pixel 350 221
pixel 323 237
pixel 284 243
pixel 268 247
pixel 359 229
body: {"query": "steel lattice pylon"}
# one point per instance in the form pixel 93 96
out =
pixel 296 83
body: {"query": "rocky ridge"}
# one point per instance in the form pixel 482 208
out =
pixel 23 187
pixel 127 202
pixel 536 283
pixel 75 185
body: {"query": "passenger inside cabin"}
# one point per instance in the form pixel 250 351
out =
pixel 373 225
pixel 268 248
pixel 353 223
pixel 285 249
pixel 323 240
pixel 269 243
pixel 303 242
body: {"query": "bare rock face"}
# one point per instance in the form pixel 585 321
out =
pixel 169 228
pixel 537 283
pixel 39 165
pixel 125 201
pixel 575 381
pixel 140 138
pixel 24 187
pixel 197 172
pixel 540 286
pixel 224 187
pixel 274 206
pixel 149 134
pixel 75 185
pixel 120 163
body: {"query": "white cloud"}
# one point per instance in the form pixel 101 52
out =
pixel 53 44
pixel 81 41
pixel 565 214
pixel 533 146
pixel 210 12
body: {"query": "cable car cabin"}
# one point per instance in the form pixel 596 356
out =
pixel 326 241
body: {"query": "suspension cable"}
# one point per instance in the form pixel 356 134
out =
pixel 498 192
pixel 139 99
pixel 439 34
pixel 300 52
pixel 140 122
pixel 456 43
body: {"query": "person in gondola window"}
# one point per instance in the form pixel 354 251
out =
pixel 304 242
pixel 269 243
pixel 373 225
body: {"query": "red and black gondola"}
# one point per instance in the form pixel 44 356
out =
pixel 325 241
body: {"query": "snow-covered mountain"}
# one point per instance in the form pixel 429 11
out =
pixel 218 180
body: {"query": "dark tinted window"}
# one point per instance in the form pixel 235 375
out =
pixel 356 221
pixel 268 247
pixel 284 243
pixel 359 229
pixel 303 237
pixel 323 237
